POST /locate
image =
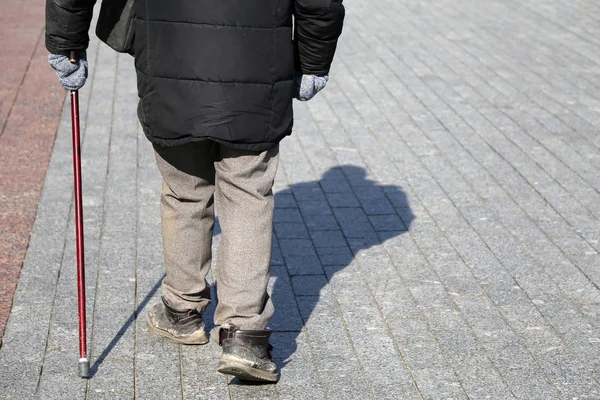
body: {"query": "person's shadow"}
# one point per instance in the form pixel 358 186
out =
pixel 319 227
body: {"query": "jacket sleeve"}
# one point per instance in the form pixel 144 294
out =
pixel 67 25
pixel 318 24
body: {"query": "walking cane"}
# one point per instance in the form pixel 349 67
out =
pixel 84 364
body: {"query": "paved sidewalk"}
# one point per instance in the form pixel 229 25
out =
pixel 437 223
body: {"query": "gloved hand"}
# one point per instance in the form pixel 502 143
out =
pixel 307 86
pixel 71 76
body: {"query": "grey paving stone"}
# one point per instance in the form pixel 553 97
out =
pixel 285 200
pixel 303 265
pixel 157 365
pixel 588 264
pixel 344 384
pixel 530 384
pixel 342 200
pixel 331 348
pixel 296 247
pixel 432 294
pixel 354 222
pixel 583 392
pixel 438 384
pixel 290 230
pixel 396 390
pixel 389 222
pixel 455 338
pixel 328 239
pixel 292 384
pixel 508 355
pixel 462 286
pixel 287 316
pixel 479 379
pixel 566 238
pixel 375 204
pixel 308 285
pixel 20 379
pixel 308 191
pixel 199 377
pixel 314 207
pixel 58 385
pixel 114 378
pixel 243 390
pixel 300 257
pixel 379 358
pixel 394 300
pixel 340 256
pixel 369 335
pixel 321 223
pixel 563 368
pixel 287 215
pixel 417 345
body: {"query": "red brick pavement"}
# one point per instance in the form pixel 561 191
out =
pixel 30 106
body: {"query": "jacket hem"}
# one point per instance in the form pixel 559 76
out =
pixel 235 145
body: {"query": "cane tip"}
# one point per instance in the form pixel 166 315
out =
pixel 84 368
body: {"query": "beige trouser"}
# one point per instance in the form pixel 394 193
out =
pixel 194 177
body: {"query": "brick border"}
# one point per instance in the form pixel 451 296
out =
pixel 30 105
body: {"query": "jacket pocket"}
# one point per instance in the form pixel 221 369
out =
pixel 116 25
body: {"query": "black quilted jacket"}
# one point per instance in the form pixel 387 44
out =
pixel 214 69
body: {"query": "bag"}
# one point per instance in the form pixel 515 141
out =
pixel 115 25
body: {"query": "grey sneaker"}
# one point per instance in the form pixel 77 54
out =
pixel 181 326
pixel 247 355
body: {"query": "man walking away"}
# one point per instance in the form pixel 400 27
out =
pixel 216 81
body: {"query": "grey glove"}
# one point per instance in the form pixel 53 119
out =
pixel 307 86
pixel 71 76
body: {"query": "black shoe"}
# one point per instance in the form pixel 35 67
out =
pixel 181 326
pixel 247 355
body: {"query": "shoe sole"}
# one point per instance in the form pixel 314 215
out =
pixel 245 372
pixel 197 338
